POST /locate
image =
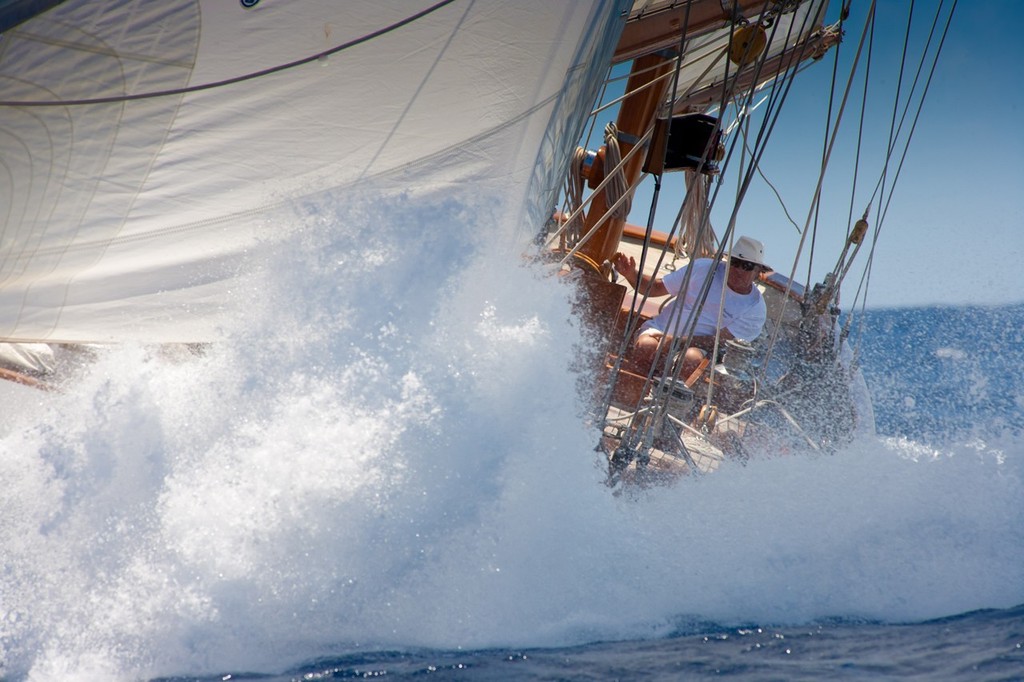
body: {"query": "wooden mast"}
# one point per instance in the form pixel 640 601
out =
pixel 636 114
pixel 601 304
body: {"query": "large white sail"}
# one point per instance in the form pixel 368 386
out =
pixel 142 141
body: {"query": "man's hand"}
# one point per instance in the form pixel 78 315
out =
pixel 625 266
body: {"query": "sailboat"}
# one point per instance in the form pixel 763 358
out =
pixel 149 149
pixel 795 386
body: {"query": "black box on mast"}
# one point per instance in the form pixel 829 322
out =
pixel 692 138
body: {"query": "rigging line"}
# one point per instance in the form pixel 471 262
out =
pixel 844 333
pixel 633 317
pixel 658 79
pixel 700 301
pixel 821 175
pixel 895 110
pixel 593 114
pixel 860 132
pixel 573 200
pixel 917 77
pixel 843 264
pixel 849 214
pixel 920 106
pixel 634 314
pixel 649 84
pixel 676 97
pixel 678 341
pixel 800 68
pixel 608 214
pixel 727 97
pixel 815 208
pixel 776 98
pixel 713 354
pixel 824 145
pixel 782 96
pixel 883 207
pixel 744 114
pixel 663 349
pixel 605 181
pixel 825 150
pixel 860 136
pixel 628 73
pixel 884 210
pixel 238 79
pixel 778 196
pixel 681 342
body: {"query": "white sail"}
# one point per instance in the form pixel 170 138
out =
pixel 141 142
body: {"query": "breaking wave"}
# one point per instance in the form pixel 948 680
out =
pixel 390 450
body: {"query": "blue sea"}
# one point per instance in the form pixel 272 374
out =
pixel 409 489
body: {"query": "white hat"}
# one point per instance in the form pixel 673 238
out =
pixel 749 250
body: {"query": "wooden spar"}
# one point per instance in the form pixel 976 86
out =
pixel 658 30
pixel 816 45
pixel 635 115
pixel 23 379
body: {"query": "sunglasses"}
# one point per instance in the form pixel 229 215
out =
pixel 742 264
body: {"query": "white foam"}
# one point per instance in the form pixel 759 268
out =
pixel 391 451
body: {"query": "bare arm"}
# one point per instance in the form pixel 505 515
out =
pixel 626 266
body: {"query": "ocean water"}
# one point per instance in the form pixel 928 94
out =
pixel 386 471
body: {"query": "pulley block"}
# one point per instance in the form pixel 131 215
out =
pixel 748 42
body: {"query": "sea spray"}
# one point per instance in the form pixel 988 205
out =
pixel 242 502
pixel 390 450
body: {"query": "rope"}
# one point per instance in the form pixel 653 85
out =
pixel 611 209
pixel 864 284
pixel 574 199
pixel 616 188
pixel 633 316
pixel 679 341
pixel 694 239
pixel 690 215
pixel 827 154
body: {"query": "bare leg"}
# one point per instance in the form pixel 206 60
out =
pixel 691 361
pixel 641 357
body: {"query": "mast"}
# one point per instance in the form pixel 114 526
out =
pixel 647 86
pixel 651 40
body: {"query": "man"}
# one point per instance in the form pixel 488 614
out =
pixel 742 316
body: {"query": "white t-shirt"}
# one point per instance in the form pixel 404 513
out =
pixel 743 316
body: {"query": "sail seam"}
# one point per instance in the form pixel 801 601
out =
pixel 235 79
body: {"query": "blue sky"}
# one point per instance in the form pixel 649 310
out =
pixel 953 232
